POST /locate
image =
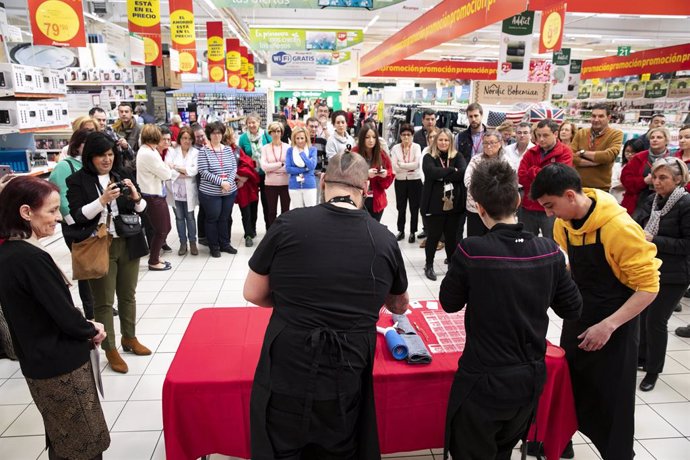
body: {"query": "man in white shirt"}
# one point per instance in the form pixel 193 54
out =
pixel 515 151
pixel 323 114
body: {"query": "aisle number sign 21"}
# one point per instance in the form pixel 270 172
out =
pixel 57 22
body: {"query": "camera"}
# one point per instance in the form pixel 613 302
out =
pixel 124 189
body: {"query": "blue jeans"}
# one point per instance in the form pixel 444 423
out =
pixel 218 210
pixel 184 219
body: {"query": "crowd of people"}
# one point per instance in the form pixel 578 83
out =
pixel 500 188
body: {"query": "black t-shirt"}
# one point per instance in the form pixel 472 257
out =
pixel 578 223
pixel 329 267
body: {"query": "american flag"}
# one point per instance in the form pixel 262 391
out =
pixel 536 114
pixel 496 118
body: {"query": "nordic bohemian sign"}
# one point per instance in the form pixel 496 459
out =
pixel 505 92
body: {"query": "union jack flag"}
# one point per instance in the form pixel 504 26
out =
pixel 536 114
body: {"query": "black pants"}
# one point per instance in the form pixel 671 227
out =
pixel 201 223
pixel 408 191
pixel 369 206
pixel 327 439
pixel 437 225
pixel 533 221
pixel 264 203
pixel 85 293
pixel 248 214
pixel 479 432
pixel 654 327
pixel 475 226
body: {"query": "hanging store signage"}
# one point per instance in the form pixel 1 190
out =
pixel 333 58
pixel 304 40
pixel 292 64
pixel 552 25
pixel 623 51
pixel 144 18
pixel 560 71
pixel 244 64
pixel 233 61
pixel 515 47
pixel 137 54
pixel 659 60
pixel 576 66
pixel 438 69
pixel 584 91
pixel 634 90
pixel 656 89
pixel 182 33
pixel 508 93
pixel 306 4
pixel 598 91
pixel 615 90
pixel 680 87
pixel 670 7
pixel 446 21
pixel 57 22
pixel 215 51
pixel 250 72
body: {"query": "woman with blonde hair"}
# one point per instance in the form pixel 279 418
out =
pixel 82 122
pixel 251 142
pixel 300 162
pixel 442 196
pixel 175 126
pixel 273 157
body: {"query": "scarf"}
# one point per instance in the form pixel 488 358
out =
pixel 255 143
pixel 653 157
pixel 119 126
pixel 593 135
pixel 652 226
pixel 297 158
pixel 343 140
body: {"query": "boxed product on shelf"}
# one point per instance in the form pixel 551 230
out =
pixel 138 75
pixel 33 114
pixel 22 78
pixel 54 81
pixel 19 160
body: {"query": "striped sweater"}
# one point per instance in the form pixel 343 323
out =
pixel 212 165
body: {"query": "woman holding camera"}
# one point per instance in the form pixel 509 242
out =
pixel 51 337
pixel 380 170
pixel 99 193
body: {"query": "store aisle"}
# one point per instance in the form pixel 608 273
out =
pixel 167 300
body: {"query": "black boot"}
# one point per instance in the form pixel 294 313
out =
pixel 400 236
pixel 649 381
pixel 429 272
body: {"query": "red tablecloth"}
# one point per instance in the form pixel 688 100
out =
pixel 206 391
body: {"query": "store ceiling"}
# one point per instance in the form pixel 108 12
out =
pixel 588 35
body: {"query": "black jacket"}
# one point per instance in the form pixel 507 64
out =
pixel 82 189
pixel 463 143
pixel 673 239
pixel 50 336
pixel 435 176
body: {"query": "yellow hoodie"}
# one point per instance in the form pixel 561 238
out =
pixel 631 257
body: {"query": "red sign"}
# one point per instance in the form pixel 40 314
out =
pixel 659 60
pixel 446 21
pixel 57 22
pixel 671 7
pixel 438 69
pixel 144 19
pixel 183 34
pixel 552 24
pixel 233 61
pixel 250 73
pixel 244 64
pixel 215 50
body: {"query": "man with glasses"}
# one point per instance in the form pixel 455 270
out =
pixel 428 122
pixel 515 151
pixel 595 149
pixel 549 150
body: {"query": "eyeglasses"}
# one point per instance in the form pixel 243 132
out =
pixel 492 144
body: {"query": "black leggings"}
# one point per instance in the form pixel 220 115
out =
pixel 437 225
pixel 408 190
pixel 369 206
pixel 654 326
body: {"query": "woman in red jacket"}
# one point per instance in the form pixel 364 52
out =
pixel 247 181
pixel 684 151
pixel 636 176
pixel 380 173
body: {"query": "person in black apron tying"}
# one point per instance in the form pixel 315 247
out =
pixel 312 396
pixel 618 276
pixel 516 276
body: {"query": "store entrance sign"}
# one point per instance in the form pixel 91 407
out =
pixel 446 21
pixel 451 70
pixel 144 19
pixel 623 51
pixel 292 64
pixel 507 93
pixel 306 4
pixel 304 40
pixel 659 60
pixel 57 22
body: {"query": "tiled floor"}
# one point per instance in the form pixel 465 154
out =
pixel 167 300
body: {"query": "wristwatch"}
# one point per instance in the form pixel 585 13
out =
pixel 581 153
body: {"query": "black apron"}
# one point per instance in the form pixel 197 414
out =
pixel 604 380
pixel 317 343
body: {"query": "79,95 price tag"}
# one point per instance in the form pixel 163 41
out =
pixel 57 22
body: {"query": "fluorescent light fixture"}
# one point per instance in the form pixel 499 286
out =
pixel 97 19
pixel 455 44
pixel 582 49
pixel 371 23
pixel 583 35
pixel 662 16
pixel 325 26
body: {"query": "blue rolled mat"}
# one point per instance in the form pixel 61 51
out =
pixel 396 344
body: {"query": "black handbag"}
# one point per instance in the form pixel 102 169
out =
pixel 127 225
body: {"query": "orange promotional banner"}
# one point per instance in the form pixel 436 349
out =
pixel 57 22
pixel 216 51
pixel 243 67
pixel 182 33
pixel 665 7
pixel 463 70
pixel 552 25
pixel 233 61
pixel 446 21
pixel 659 60
pixel 144 18
pixel 250 72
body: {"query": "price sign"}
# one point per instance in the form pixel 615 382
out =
pixel 506 67
pixel 57 22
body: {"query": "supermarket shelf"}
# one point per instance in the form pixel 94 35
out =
pixel 101 83
pixel 33 95
pixel 45 129
pixel 39 171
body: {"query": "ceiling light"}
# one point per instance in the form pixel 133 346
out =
pixel 584 35
pixel 582 49
pixel 662 16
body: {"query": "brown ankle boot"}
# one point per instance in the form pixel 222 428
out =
pixel 193 249
pixel 183 250
pixel 116 362
pixel 133 345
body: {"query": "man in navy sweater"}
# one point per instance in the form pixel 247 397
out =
pixel 508 279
